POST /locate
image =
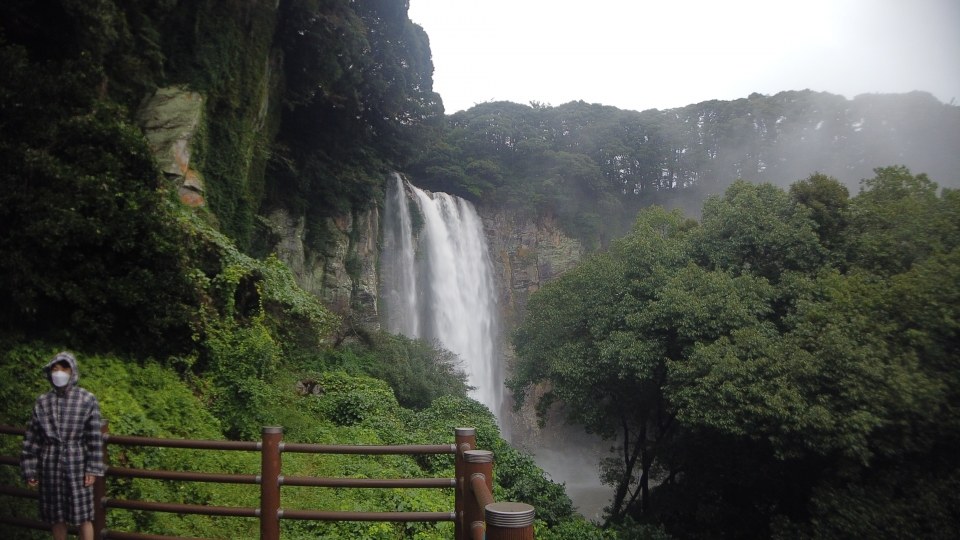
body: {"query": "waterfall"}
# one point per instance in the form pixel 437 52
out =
pixel 399 274
pixel 437 282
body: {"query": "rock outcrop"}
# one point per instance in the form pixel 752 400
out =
pixel 525 255
pixel 169 120
pixel 345 276
pixel 351 269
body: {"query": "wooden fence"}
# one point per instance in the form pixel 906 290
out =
pixel 475 514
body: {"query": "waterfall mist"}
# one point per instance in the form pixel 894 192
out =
pixel 437 282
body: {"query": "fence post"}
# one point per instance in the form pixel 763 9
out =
pixel 270 483
pixel 100 486
pixel 478 467
pixel 509 521
pixel 466 439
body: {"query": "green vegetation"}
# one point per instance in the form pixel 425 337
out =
pixel 596 166
pixel 307 102
pixel 151 400
pixel 419 372
pixel 180 331
pixel 90 253
pixel 329 407
pixel 358 101
pixel 785 368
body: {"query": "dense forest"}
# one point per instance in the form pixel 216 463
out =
pixel 181 327
pixel 306 104
pixel 786 367
pixel 783 366
pixel 596 166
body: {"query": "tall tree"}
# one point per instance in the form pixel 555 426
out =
pixel 763 380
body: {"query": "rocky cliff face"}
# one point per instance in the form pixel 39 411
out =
pixel 525 254
pixel 170 119
pixel 345 277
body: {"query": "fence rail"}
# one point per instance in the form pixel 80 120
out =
pixel 476 515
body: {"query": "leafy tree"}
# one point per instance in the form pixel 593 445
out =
pixel 418 371
pixel 90 252
pixel 627 160
pixel 763 380
pixel 828 201
pixel 579 336
pixel 758 229
pixel 898 220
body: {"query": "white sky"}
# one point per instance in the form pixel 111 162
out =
pixel 642 54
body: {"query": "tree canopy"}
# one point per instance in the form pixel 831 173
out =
pixel 787 367
pixel 595 166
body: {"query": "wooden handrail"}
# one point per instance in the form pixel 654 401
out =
pixel 479 484
pixel 129 472
pixel 369 450
pixel 129 440
pixel 23 493
pixel 33 524
pixel 472 486
pixel 174 508
pixel 312 481
pixel 117 535
pixel 322 515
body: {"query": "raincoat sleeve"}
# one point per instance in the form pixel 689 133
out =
pixel 30 450
pixel 93 442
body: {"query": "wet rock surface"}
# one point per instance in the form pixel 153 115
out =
pixel 169 119
pixel 345 277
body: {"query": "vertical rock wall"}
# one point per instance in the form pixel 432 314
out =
pixel 345 277
pixel 170 119
pixel 526 255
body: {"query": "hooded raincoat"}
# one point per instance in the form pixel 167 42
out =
pixel 63 444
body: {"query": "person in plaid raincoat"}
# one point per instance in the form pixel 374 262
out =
pixel 62 450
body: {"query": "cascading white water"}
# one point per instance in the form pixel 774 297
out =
pixel 399 274
pixel 437 281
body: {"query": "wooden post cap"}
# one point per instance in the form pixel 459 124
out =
pixel 478 456
pixel 509 515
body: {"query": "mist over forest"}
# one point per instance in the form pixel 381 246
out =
pixel 761 315
pixel 587 162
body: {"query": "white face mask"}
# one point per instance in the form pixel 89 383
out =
pixel 60 378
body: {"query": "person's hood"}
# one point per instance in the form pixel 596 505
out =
pixel 60 357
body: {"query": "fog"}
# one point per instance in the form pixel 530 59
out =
pixel 576 465
pixel 778 139
pixel 641 55
pixel 645 54
pixel 569 456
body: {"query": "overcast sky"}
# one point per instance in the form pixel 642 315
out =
pixel 642 54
